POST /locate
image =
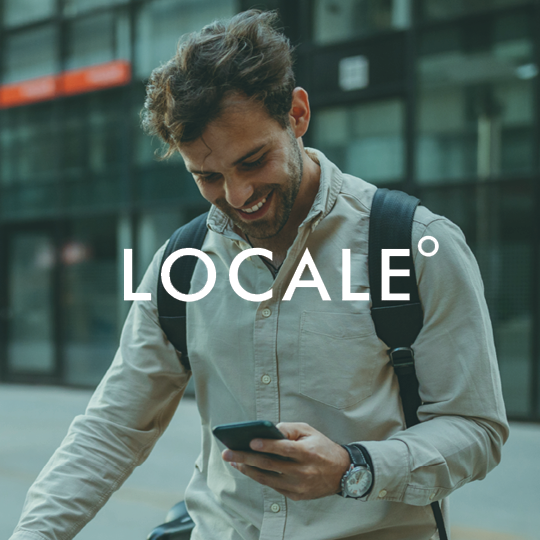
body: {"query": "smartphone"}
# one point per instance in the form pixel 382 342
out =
pixel 238 436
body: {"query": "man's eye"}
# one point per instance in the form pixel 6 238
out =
pixel 253 164
pixel 209 178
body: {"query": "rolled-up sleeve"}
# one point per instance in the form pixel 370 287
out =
pixel 128 412
pixel 463 421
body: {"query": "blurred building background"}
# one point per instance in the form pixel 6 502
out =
pixel 436 97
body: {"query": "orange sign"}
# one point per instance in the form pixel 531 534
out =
pixel 78 81
pixel 93 78
pixel 40 89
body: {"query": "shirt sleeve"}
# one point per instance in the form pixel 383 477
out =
pixel 463 420
pixel 128 412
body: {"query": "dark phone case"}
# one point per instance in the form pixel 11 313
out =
pixel 237 436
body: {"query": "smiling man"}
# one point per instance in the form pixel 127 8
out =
pixel 227 102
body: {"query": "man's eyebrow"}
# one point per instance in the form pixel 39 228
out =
pixel 244 157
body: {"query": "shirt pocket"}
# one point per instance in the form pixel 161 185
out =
pixel 337 360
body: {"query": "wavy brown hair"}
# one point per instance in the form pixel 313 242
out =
pixel 245 55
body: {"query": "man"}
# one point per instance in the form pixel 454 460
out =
pixel 227 102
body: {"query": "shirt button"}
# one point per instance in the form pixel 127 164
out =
pixel 432 496
pixel 266 379
pixel 266 312
pixel 382 493
pixel 275 508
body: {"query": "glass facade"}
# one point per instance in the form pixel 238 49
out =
pixel 161 24
pixel 435 97
pixel 343 20
pixel 97 39
pixel 367 140
pixel 442 9
pixel 31 340
pixel 31 53
pixel 476 100
pixel 17 12
pixel 89 257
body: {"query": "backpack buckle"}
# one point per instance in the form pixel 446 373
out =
pixel 401 357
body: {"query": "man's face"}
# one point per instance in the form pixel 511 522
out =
pixel 249 166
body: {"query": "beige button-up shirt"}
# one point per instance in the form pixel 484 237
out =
pixel 303 360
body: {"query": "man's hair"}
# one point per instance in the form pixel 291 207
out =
pixel 245 55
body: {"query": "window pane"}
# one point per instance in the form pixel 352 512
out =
pixel 89 259
pixel 74 7
pixel 476 101
pixel 98 39
pixel 163 22
pixel 30 342
pixel 31 54
pixel 443 9
pixel 364 140
pixel 29 145
pixel 18 12
pixel 497 222
pixel 348 19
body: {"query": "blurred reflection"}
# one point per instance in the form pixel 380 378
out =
pixel 504 251
pixel 98 39
pixel 442 9
pixel 18 12
pixel 162 22
pixel 364 140
pixel 31 54
pixel 476 102
pixel 74 7
pixel 341 20
pixel 30 341
pixel 89 307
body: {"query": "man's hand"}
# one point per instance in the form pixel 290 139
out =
pixel 308 464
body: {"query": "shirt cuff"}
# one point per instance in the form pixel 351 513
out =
pixel 391 469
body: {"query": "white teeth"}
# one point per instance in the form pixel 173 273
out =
pixel 254 208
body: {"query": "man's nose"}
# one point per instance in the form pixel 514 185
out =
pixel 237 191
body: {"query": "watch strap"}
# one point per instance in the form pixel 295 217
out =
pixel 356 455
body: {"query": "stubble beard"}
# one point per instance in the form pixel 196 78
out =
pixel 283 195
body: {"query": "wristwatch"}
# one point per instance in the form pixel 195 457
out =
pixel 358 479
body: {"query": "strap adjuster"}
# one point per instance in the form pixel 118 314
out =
pixel 401 357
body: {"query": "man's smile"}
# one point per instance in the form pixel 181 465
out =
pixel 258 209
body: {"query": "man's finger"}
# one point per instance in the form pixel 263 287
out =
pixel 295 430
pixel 256 459
pixel 278 482
pixel 279 447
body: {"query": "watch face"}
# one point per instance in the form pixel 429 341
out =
pixel 358 482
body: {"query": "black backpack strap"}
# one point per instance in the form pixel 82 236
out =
pixel 398 322
pixel 172 312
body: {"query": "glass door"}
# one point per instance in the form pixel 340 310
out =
pixel 31 351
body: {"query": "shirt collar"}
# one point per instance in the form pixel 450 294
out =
pixel 330 183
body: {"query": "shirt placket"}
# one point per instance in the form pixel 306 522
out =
pixel 266 378
pixel 266 385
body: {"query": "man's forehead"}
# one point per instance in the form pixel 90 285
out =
pixel 200 158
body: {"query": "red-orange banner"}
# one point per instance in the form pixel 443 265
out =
pixel 40 89
pixel 93 78
pixel 79 81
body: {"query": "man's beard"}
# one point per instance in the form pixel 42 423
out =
pixel 283 195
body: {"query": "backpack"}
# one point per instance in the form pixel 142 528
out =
pixel 397 323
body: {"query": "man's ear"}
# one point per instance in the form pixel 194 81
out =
pixel 300 112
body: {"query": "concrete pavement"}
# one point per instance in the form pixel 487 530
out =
pixel 33 421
